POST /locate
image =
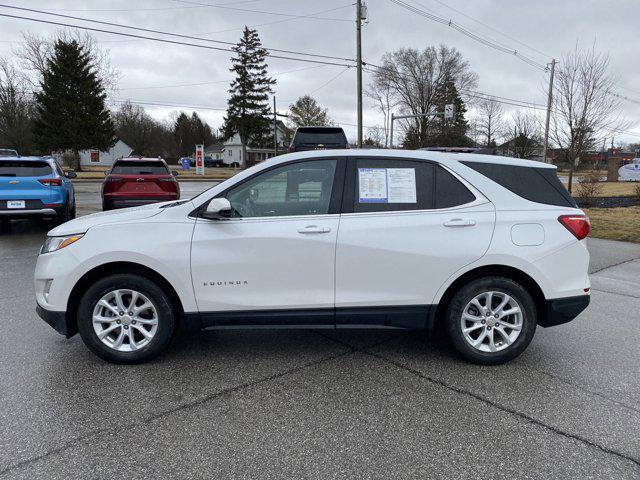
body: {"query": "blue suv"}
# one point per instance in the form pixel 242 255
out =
pixel 35 187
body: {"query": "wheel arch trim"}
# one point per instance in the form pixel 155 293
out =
pixel 460 278
pixel 113 268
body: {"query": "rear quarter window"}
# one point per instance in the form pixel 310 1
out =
pixel 139 168
pixel 24 168
pixel 449 191
pixel 540 185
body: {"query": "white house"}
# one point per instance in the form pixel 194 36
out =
pixel 99 158
pixel 231 150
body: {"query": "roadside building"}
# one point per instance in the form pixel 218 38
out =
pixel 105 158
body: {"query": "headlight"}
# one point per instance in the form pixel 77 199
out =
pixel 51 244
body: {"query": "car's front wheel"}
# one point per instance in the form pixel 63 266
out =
pixel 126 318
pixel 491 320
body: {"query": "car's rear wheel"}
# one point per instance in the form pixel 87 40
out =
pixel 126 318
pixel 491 320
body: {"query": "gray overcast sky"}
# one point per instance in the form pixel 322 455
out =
pixel 549 26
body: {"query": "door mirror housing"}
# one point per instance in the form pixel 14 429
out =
pixel 218 209
pixel 70 174
pixel 174 173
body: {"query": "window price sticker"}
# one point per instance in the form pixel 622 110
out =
pixel 387 185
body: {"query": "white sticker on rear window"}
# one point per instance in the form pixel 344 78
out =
pixel 373 185
pixel 387 185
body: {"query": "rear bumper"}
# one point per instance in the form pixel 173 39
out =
pixel 18 213
pixel 110 203
pixel 563 310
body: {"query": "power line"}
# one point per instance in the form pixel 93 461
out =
pixel 163 104
pixel 216 81
pixel 163 40
pixel 544 55
pixel 149 9
pixel 291 15
pixel 488 42
pixel 160 32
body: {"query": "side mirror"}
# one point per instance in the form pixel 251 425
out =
pixel 70 174
pixel 174 173
pixel 106 173
pixel 218 209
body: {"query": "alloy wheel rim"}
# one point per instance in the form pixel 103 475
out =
pixel 125 320
pixel 491 321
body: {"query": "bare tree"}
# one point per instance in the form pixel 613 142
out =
pixel 412 79
pixel 37 49
pixel 525 133
pixel 585 109
pixel 489 120
pixel 384 102
pixel 17 109
pixel 376 137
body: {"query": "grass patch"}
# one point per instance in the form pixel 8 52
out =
pixel 610 189
pixel 615 223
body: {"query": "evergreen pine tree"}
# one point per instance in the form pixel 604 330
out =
pixel 71 111
pixel 248 107
pixel 451 132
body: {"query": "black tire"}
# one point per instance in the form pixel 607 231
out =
pixel 468 292
pixel 162 303
pixel 72 212
pixel 105 207
pixel 64 215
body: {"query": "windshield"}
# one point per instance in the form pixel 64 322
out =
pixel 24 168
pixel 137 167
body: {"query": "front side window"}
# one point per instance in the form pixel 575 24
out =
pixel 302 188
pixel 383 185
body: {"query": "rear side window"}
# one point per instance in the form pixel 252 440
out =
pixel 24 168
pixel 540 185
pixel 386 185
pixel 138 167
pixel 450 192
pixel 330 136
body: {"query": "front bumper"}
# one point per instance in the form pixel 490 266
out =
pixel 563 310
pixel 58 321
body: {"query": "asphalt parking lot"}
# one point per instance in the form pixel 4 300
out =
pixel 321 404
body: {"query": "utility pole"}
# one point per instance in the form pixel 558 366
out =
pixel 549 100
pixel 275 131
pixel 359 68
pixel 391 131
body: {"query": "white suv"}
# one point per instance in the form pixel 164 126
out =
pixel 488 247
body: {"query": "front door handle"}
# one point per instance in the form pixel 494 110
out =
pixel 314 229
pixel 459 222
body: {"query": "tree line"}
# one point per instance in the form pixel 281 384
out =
pixel 53 97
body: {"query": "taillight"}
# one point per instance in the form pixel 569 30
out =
pixel 53 182
pixel 578 225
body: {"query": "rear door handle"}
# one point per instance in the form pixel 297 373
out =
pixel 459 222
pixel 314 229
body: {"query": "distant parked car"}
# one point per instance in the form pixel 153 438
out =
pixel 8 152
pixel 211 162
pixel 35 187
pixel 138 181
pixel 318 138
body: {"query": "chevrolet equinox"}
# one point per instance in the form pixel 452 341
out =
pixel 487 247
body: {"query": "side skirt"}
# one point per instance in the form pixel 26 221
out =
pixel 413 317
